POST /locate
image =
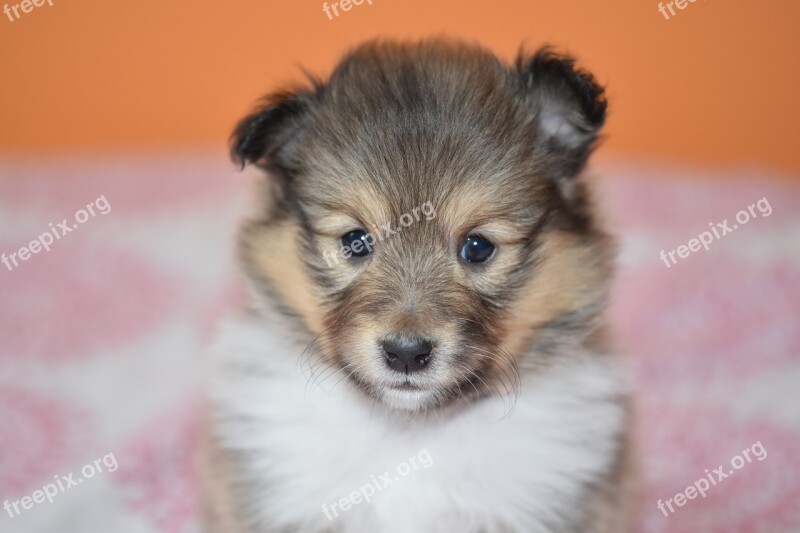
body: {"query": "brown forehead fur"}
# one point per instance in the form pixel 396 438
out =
pixel 410 124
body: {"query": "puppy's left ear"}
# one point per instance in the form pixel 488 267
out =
pixel 568 104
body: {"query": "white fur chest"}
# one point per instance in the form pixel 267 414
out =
pixel 308 455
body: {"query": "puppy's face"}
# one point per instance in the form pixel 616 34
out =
pixel 425 220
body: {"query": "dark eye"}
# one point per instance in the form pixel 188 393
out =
pixel 356 241
pixel 476 249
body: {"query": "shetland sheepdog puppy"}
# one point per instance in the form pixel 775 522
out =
pixel 424 347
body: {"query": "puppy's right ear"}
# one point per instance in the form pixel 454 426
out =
pixel 266 137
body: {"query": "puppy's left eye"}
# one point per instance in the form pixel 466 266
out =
pixel 476 249
pixel 356 242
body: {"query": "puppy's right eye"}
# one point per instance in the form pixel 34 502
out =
pixel 356 242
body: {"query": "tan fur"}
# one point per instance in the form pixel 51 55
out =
pixel 273 252
pixel 614 507
pixel 570 276
pixel 219 507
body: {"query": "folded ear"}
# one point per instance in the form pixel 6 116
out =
pixel 266 137
pixel 569 106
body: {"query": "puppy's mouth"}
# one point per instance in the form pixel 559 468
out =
pixel 406 394
pixel 416 393
pixel 408 383
pixel 407 386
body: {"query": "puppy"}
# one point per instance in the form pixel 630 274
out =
pixel 424 350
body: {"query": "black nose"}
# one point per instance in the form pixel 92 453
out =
pixel 407 354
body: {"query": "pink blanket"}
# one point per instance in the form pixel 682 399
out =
pixel 105 319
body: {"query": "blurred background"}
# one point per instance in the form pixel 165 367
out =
pixel 129 105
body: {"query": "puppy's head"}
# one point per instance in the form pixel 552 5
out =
pixel 424 217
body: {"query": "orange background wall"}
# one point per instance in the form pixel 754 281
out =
pixel 717 84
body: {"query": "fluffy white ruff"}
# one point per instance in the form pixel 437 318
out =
pixel 301 445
